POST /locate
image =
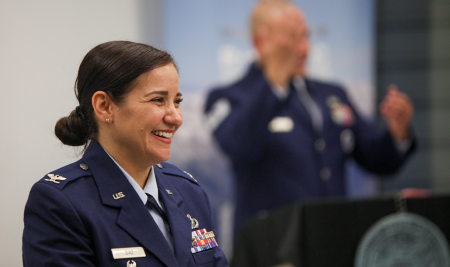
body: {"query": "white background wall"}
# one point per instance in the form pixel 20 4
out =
pixel 41 46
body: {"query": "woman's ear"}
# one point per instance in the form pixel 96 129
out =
pixel 102 105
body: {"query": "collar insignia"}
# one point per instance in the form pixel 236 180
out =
pixel 55 178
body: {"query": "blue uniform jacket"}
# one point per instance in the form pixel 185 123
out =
pixel 77 221
pixel 274 164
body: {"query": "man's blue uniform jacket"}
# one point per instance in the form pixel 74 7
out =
pixel 77 221
pixel 278 157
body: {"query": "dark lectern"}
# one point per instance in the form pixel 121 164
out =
pixel 325 233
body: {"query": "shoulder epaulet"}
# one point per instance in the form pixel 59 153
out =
pixel 60 177
pixel 171 169
pixel 322 84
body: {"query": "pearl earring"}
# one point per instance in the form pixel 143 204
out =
pixel 107 120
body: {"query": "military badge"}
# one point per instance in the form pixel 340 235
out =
pixel 55 178
pixel 341 113
pixel 202 240
pixel 194 222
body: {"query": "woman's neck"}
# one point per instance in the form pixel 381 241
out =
pixel 138 170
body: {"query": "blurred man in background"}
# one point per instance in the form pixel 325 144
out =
pixel 288 136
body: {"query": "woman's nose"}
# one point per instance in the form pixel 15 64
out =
pixel 174 116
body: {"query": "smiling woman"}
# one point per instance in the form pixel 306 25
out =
pixel 140 129
pixel 113 207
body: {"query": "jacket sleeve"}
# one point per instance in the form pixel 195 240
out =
pixel 54 234
pixel 376 150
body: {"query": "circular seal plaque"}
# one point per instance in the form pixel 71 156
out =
pixel 403 239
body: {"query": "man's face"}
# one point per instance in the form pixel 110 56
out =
pixel 287 38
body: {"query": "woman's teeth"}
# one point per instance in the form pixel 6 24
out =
pixel 163 134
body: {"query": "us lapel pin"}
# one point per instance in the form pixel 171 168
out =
pixel 118 195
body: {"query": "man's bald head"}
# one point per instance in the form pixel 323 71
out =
pixel 268 10
pixel 280 37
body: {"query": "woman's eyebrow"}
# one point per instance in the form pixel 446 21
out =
pixel 165 93
pixel 157 92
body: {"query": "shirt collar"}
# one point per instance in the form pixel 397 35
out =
pixel 150 187
pixel 281 93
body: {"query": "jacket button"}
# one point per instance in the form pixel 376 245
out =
pixel 320 145
pixel 325 174
pixel 84 166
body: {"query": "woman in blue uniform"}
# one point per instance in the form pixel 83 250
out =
pixel 120 204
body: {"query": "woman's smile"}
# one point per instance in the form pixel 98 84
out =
pixel 163 136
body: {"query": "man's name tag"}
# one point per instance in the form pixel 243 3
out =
pixel 281 125
pixel 125 253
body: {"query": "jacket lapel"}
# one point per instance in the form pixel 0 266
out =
pixel 180 224
pixel 134 217
pixel 148 234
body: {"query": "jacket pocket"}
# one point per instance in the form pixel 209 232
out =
pixel 204 257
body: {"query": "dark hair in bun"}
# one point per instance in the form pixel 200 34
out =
pixel 111 67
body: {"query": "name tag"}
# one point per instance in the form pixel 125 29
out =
pixel 125 253
pixel 281 125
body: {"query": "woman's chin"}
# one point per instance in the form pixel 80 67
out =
pixel 161 158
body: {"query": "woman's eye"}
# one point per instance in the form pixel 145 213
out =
pixel 178 101
pixel 159 100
